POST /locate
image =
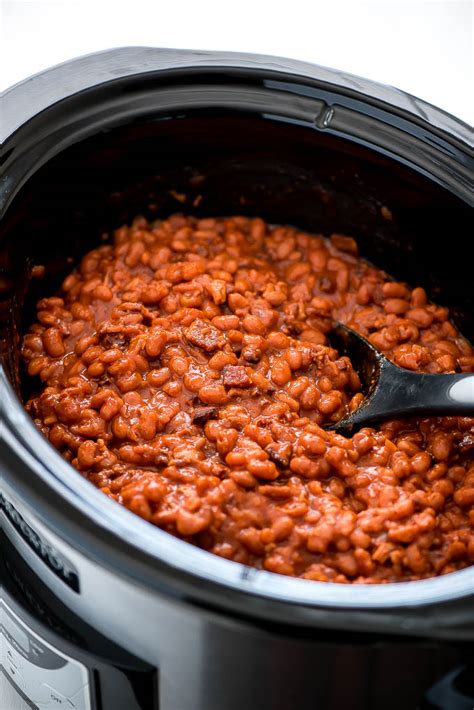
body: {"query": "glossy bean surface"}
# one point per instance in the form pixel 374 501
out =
pixel 184 369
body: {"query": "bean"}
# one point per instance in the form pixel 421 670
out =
pixel 70 281
pixel 226 322
pixel 192 523
pixel 53 342
pixel 102 292
pixel 392 289
pixel 420 462
pixel 464 496
pixel 304 466
pixel 331 401
pixel 313 444
pixel 221 360
pixel 85 342
pixel 420 316
pixel 86 454
pixel 263 469
pixel 178 365
pixel 213 394
pixel 281 372
pixel 254 324
pixel 128 383
pixel 396 305
pixel 418 297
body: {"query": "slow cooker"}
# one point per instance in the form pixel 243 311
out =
pixel 100 610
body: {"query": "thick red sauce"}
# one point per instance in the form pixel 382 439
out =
pixel 186 372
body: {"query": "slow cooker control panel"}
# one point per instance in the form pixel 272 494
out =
pixel 45 676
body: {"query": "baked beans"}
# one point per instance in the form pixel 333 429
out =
pixel 185 371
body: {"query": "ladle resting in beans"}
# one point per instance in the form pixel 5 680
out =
pixel 186 373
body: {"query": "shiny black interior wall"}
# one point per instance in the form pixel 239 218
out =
pixel 217 164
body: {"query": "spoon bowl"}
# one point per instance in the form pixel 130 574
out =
pixel 391 392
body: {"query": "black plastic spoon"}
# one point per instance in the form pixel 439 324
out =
pixel 392 391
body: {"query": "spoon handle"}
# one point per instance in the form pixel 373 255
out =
pixel 401 393
pixel 406 393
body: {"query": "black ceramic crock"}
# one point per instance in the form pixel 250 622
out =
pixel 88 145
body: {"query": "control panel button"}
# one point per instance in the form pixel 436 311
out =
pixel 80 700
pixel 10 658
pixel 16 676
pixel 53 698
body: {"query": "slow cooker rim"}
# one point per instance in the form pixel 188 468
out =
pixel 29 442
pixel 420 110
pixel 373 116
